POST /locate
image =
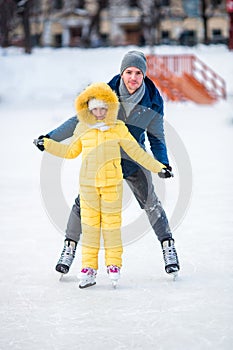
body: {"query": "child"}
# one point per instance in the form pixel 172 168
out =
pixel 99 136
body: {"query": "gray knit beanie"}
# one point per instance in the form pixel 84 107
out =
pixel 134 59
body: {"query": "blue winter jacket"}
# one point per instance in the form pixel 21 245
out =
pixel 145 118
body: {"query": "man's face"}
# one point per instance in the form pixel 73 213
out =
pixel 132 78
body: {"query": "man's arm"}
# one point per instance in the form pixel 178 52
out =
pixel 156 137
pixel 137 153
pixel 64 131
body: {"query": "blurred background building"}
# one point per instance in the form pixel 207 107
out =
pixel 92 23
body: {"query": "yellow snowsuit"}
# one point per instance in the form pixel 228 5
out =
pixel 101 174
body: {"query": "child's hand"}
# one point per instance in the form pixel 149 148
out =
pixel 39 142
pixel 166 172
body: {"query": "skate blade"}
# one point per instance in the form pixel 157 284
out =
pixel 114 284
pixel 174 275
pixel 82 286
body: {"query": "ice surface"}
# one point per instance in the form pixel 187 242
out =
pixel 147 310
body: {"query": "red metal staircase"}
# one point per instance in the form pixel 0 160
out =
pixel 185 77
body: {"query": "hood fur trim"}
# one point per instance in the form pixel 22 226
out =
pixel 100 91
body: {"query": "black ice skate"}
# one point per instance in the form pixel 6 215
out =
pixel 67 257
pixel 170 257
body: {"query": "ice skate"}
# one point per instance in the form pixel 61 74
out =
pixel 87 277
pixel 114 274
pixel 67 257
pixel 170 258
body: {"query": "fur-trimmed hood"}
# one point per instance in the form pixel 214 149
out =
pixel 100 91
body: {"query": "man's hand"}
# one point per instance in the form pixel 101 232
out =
pixel 40 142
pixel 166 172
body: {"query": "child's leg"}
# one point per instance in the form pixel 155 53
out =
pixel 111 206
pixel 90 217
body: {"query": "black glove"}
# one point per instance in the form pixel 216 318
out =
pixel 40 142
pixel 166 172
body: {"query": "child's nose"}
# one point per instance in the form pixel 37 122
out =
pixel 102 111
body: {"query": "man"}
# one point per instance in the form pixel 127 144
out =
pixel 142 111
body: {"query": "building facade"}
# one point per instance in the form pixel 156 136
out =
pixel 92 23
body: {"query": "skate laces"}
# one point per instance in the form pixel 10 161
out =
pixel 68 253
pixel 113 272
pixel 113 269
pixel 88 271
pixel 169 253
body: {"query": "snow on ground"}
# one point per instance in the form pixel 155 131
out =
pixel 147 310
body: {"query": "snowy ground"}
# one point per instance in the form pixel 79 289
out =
pixel 147 310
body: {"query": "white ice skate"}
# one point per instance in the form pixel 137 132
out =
pixel 114 274
pixel 87 277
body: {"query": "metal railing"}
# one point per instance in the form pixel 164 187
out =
pixel 166 69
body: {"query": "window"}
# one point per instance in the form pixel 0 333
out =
pixel 58 4
pixel 58 40
pixel 165 34
pixel 133 3
pixel 80 4
pixel 216 33
pixel 216 3
pixel 165 2
pixel 165 37
pixel 217 37
pixel 188 37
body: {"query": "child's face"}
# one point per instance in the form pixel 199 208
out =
pixel 99 113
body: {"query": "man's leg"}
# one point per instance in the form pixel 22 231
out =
pixel 72 237
pixel 74 229
pixel 142 187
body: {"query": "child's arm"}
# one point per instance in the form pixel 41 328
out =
pixel 64 151
pixel 132 148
